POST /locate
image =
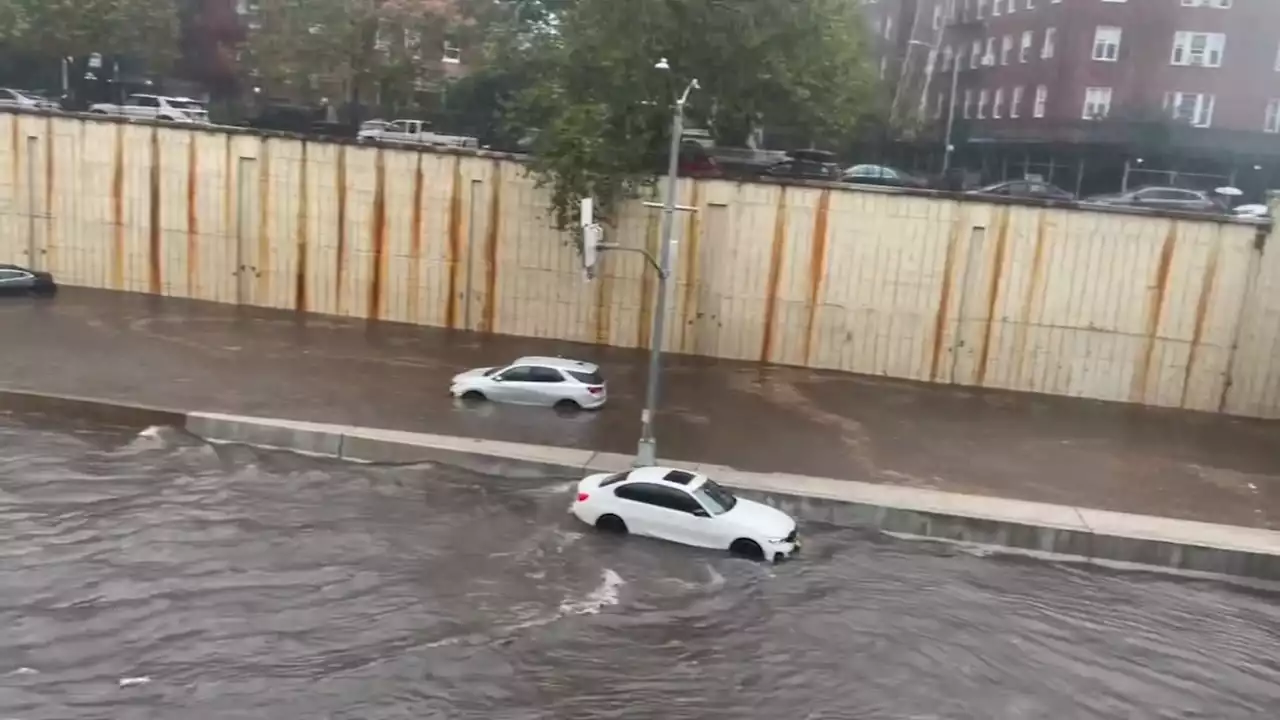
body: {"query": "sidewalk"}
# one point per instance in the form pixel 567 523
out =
pixel 184 354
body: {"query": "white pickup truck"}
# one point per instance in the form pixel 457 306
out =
pixel 412 131
pixel 156 107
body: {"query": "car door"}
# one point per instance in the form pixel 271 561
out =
pixel 659 511
pixel 512 385
pixel 547 385
pixel 15 282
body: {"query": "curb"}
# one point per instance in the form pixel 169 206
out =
pixel 999 524
pixel 1041 529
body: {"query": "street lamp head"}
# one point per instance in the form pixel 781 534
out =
pixel 661 64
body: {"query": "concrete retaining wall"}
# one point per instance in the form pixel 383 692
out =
pixel 1177 312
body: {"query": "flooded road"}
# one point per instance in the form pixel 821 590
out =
pixel 157 577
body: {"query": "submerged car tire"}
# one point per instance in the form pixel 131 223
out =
pixel 567 406
pixel 745 548
pixel 474 396
pixel 611 524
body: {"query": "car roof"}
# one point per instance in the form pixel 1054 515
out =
pixel 557 362
pixel 668 476
pixel 10 266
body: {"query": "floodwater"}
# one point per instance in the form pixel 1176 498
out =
pixel 154 576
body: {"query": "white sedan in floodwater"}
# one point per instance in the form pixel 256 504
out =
pixel 687 508
pixel 553 382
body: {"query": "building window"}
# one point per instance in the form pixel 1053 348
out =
pixel 937 109
pixel 989 57
pixel 937 16
pixel 1194 108
pixel 1028 38
pixel 982 9
pixel 1015 103
pixel 884 67
pixel 1050 35
pixel 996 8
pixel 1006 49
pixel 1272 122
pixel 1013 7
pixel 968 104
pixel 975 56
pixel 1198 49
pixel 1278 58
pixel 1097 103
pixel 983 97
pixel 1031 4
pixel 1042 99
pixel 888 27
pixel 1220 4
pixel 1106 43
pixel 997 104
pixel 946 59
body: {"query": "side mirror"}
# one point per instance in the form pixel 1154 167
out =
pixel 701 513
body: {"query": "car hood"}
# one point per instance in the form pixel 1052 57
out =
pixel 762 518
pixel 470 374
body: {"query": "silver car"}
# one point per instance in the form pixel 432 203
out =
pixel 549 381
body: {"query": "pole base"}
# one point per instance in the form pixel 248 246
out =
pixel 646 453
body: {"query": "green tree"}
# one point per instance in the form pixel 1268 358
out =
pixel 599 111
pixel 142 29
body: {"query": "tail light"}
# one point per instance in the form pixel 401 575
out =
pixel 582 497
pixel 596 389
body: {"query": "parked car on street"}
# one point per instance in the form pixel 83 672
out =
pixel 1024 189
pixel 1163 198
pixel 881 175
pixel 548 381
pixel 687 508
pixel 156 107
pixel 15 280
pixel 10 98
pixel 807 165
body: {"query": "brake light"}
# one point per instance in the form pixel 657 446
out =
pixel 582 497
pixel 596 389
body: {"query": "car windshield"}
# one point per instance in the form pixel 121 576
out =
pixel 716 499
pixel 491 371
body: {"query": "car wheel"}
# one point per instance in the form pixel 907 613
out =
pixel 611 524
pixel 749 549
pixel 474 396
pixel 567 406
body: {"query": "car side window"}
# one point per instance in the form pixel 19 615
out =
pixel 516 374
pixel 545 375
pixel 11 275
pixel 660 496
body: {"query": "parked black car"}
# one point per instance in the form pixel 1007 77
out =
pixel 16 280
pixel 1025 189
pixel 867 174
pixel 807 165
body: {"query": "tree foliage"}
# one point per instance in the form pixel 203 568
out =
pixel 146 29
pixel 395 43
pixel 599 110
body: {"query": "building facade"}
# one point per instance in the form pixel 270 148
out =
pixel 1079 71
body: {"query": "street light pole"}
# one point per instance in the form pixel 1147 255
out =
pixel 647 449
pixel 951 114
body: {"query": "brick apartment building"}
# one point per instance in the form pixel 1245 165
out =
pixel 1104 72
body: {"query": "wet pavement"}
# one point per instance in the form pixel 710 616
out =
pixel 201 356
pixel 153 576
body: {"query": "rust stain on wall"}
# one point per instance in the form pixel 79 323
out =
pixel 1207 286
pixel 1034 289
pixel 193 217
pixel 455 244
pixel 415 245
pixel 775 274
pixel 379 223
pixel 817 269
pixel 262 271
pixel 645 320
pixel 692 272
pixel 50 218
pixel 117 212
pixel 15 150
pixel 489 312
pixel 944 295
pixel 1155 307
pixel 993 295
pixel 340 264
pixel 155 235
pixel 301 241
pixel 604 305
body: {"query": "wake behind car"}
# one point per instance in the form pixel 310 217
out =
pixel 15 280
pixel 548 381
pixel 687 508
